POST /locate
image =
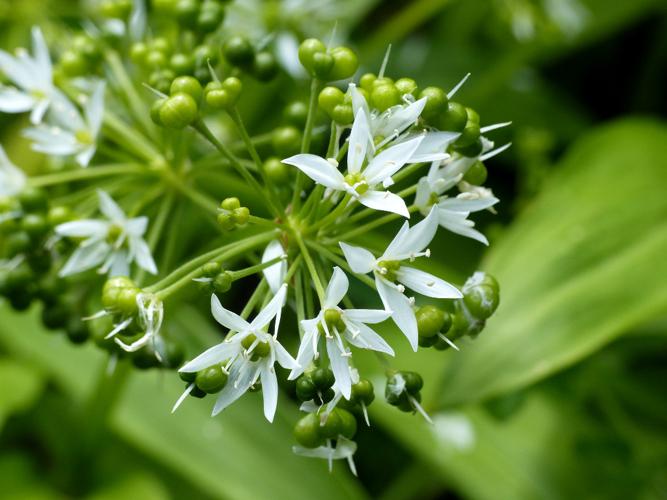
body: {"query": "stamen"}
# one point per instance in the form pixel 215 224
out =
pixel 451 344
pixel 457 87
pixel 415 404
pixel 384 62
pixel 182 397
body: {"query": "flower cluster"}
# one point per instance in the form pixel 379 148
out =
pixel 152 138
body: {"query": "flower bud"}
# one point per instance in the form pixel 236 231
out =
pixel 211 379
pixel 307 51
pixel 436 102
pixel 187 85
pixel 178 111
pixel 265 66
pixel 307 431
pixel 345 63
pixel 238 51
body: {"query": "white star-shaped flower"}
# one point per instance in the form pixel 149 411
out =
pixel 113 243
pixel 361 183
pixel 32 77
pixel 70 133
pixel 12 178
pixel 275 274
pixel 337 324
pixel 391 276
pixel 247 364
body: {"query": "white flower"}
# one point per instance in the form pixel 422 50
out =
pixel 344 449
pixel 275 274
pixel 388 269
pixel 33 77
pixel 337 324
pixel 390 124
pixel 247 363
pixel 12 178
pixel 150 315
pixel 70 133
pixel 112 244
pixel 358 183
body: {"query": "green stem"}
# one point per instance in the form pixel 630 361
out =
pixel 386 219
pixel 407 171
pixel 85 174
pixel 305 142
pixel 237 249
pixel 129 138
pixel 254 298
pixel 311 267
pixel 157 228
pixel 340 262
pixel 333 215
pixel 248 271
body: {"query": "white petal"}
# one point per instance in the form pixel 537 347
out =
pixel 86 257
pixel 344 449
pixel 390 161
pixel 283 357
pixel 269 391
pixel 16 71
pixel 118 264
pixel 240 379
pixel 433 147
pixel 397 242
pixel 109 207
pixel 403 315
pixel 275 274
pixel 360 260
pixel 385 201
pixel 427 284
pixel 370 316
pixel 398 120
pixel 366 338
pixel 41 52
pixel 136 226
pixel 358 101
pixel 39 111
pixel 227 318
pixel 306 352
pixel 211 356
pixel 417 237
pixel 340 368
pixel 359 140
pixel 95 109
pixel 83 228
pixel 318 169
pixel 270 311
pixel 467 204
pixel 287 50
pixel 15 101
pixel 142 255
pixel 457 222
pixel 336 289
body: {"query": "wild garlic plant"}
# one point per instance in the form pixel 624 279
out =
pixel 139 208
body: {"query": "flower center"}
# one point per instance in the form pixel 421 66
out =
pixel 388 268
pixel 357 182
pixel 256 350
pixel 84 137
pixel 115 232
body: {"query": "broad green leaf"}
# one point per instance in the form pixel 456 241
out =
pixel 21 385
pixel 237 455
pixel 141 486
pixel 584 264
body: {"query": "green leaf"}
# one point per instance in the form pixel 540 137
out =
pixel 21 384
pixel 584 264
pixel 237 455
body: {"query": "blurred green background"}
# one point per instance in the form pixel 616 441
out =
pixel 562 396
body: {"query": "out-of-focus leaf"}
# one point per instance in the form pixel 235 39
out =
pixel 141 486
pixel 21 386
pixel 585 263
pixel 20 481
pixel 237 455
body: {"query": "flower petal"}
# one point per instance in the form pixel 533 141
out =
pixel 211 356
pixel 269 391
pixel 84 228
pixel 241 377
pixel 385 201
pixel 142 254
pixel 283 357
pixel 336 289
pixel 227 318
pixel 390 161
pixel 110 208
pixel 396 121
pixel 360 260
pixel 427 284
pixel 270 311
pixel 318 169
pixel 306 352
pixel 359 140
pixel 403 315
pixel 15 101
pixel 370 316
pixel 340 368
pixel 433 147
pixel 365 337
pixel 86 257
pixel 275 274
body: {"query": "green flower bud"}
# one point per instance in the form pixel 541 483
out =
pixel 471 151
pixel 276 170
pixel 222 282
pixel 362 392
pixel 186 12
pixel 307 51
pixel 126 302
pixel 430 320
pixel 469 135
pixel 59 215
pixel 479 298
pixel 436 102
pixel 230 203
pixel 196 392
pixel 260 349
pixel 18 243
pixel 161 80
pixel 217 97
pixel 345 63
pixel 331 426
pixel 73 63
pixel 307 431
pixel 155 111
pixel 296 113
pixel 366 81
pixel 385 96
pixel 476 174
pixel 211 379
pixel 182 64
pixel 138 53
pixel 77 330
pixel 343 114
pixel 241 216
pixel 454 118
pixel 329 98
pixel 226 221
pixel 348 426
pixel 286 141
pixel 211 269
pixel 187 85
pixel 238 51
pixel 161 44
pixel 305 388
pixel 323 378
pixel 33 199
pixel 55 316
pixel 210 16
pixel 86 46
pixel 156 59
pixel 34 225
pixel 406 405
pixel 406 86
pixel 322 65
pixel 188 377
pixel 413 382
pixel 265 66
pixel 233 86
pixel 178 111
